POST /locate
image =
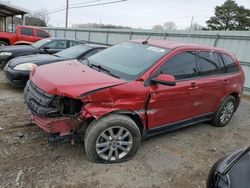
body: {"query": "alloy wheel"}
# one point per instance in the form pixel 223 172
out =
pixel 114 143
pixel 227 112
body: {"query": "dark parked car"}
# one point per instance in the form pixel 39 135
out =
pixel 18 69
pixel 44 46
pixel 232 171
pixel 134 90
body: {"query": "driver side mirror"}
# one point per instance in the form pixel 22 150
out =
pixel 164 79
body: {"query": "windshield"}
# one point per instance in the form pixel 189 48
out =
pixel 40 43
pixel 128 60
pixel 73 52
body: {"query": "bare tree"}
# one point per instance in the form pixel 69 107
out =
pixel 157 28
pixel 169 26
pixel 42 15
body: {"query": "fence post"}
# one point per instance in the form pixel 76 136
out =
pixel 166 35
pixel 130 35
pixel 75 34
pixel 64 33
pixel 55 32
pixel 89 37
pixel 216 39
pixel 107 37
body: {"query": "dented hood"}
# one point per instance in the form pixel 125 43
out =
pixel 71 79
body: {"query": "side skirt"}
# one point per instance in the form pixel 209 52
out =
pixel 178 125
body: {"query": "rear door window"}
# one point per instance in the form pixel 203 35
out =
pixel 229 64
pixel 42 34
pixel 210 63
pixel 181 66
pixel 27 31
pixel 58 44
pixel 73 43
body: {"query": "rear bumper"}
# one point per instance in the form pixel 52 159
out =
pixel 62 125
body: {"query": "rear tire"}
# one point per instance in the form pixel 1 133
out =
pixel 2 43
pixel 225 112
pixel 112 139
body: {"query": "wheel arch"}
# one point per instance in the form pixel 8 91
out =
pixel 23 43
pixel 5 40
pixel 135 116
pixel 237 97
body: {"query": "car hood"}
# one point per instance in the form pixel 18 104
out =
pixel 71 78
pixel 15 48
pixel 38 59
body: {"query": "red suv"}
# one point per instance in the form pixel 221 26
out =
pixel 132 91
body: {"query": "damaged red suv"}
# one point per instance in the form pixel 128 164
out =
pixel 132 91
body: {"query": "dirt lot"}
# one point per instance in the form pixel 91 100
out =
pixel 179 159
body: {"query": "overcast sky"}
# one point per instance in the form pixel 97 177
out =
pixel 134 13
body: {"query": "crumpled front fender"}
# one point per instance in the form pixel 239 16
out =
pixel 130 98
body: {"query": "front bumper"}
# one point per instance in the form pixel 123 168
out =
pixel 16 77
pixel 47 112
pixel 62 125
pixel 4 60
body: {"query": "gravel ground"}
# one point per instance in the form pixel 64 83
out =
pixel 178 159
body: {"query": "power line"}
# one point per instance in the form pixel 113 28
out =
pixel 75 4
pixel 83 6
pixel 85 2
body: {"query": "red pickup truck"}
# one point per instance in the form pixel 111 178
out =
pixel 23 35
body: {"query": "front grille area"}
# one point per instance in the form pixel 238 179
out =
pixel 40 102
pixel 44 104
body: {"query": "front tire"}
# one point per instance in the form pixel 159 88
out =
pixel 112 139
pixel 225 112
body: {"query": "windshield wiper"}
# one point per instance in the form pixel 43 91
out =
pixel 88 63
pixel 100 68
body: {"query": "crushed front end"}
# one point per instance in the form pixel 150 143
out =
pixel 56 115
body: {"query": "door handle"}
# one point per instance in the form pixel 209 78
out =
pixel 193 86
pixel 226 82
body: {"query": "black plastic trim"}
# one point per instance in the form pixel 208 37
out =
pixel 178 125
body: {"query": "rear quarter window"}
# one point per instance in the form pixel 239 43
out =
pixel 229 64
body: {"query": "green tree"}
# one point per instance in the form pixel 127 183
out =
pixel 242 19
pixel 230 16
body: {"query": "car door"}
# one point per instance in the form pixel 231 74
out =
pixel 56 46
pixel 172 104
pixel 210 82
pixel 26 34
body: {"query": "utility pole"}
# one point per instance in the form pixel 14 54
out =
pixel 67 13
pixel 191 25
